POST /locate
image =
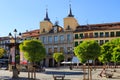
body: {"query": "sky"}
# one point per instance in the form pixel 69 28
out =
pixel 26 14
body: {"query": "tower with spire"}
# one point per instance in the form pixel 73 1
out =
pixel 45 25
pixel 46 17
pixel 70 22
pixel 70 13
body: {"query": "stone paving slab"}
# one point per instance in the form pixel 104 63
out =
pixel 75 74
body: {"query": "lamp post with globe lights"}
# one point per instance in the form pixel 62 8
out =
pixel 15 37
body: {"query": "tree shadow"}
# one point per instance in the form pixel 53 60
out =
pixel 63 72
pixel 116 77
pixel 5 77
pixel 19 78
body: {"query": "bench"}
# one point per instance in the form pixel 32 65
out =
pixel 58 77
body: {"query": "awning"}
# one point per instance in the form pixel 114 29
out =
pixel 75 60
pixel 66 62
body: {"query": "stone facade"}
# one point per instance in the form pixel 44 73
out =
pixel 63 39
pixel 100 32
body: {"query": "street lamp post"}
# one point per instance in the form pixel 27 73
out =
pixel 15 70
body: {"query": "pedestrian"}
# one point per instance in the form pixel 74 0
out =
pixel 102 73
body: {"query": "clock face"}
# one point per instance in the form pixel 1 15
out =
pixel 55 29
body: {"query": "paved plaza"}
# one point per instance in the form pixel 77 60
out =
pixel 75 74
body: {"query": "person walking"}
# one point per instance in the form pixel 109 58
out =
pixel 102 73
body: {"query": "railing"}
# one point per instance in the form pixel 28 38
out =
pixel 59 42
pixel 96 37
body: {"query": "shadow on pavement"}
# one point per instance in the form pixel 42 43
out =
pixel 64 72
pixel 117 77
pixel 9 78
pixel 4 77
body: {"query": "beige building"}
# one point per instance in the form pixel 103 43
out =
pixel 58 39
pixel 63 39
pixel 100 32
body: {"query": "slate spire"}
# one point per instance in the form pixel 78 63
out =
pixel 70 13
pixel 46 17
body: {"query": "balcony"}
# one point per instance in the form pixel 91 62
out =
pixel 59 42
pixel 96 37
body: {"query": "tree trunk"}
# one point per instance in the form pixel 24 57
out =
pixel 84 71
pixel 90 73
pixel 32 74
pixel 34 71
pixel 28 71
pixel 94 65
pixel 114 66
pixel 88 69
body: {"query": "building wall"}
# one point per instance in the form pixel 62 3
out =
pixel 101 36
pixel 70 21
pixel 65 46
pixel 45 26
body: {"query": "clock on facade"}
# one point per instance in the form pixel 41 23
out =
pixel 55 29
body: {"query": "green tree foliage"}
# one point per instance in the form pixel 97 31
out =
pixel 106 51
pixel 2 52
pixel 58 57
pixel 87 50
pixel 116 50
pixel 110 51
pixel 116 54
pixel 34 50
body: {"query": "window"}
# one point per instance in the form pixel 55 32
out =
pixel 76 43
pixel 69 50
pixel 91 35
pixel 106 34
pixel 106 41
pixel 111 34
pixel 55 39
pixel 117 33
pixel 44 30
pixel 86 35
pixel 61 38
pixel 76 36
pixel 81 35
pixel 68 37
pixel 43 39
pixel 101 42
pixel 96 41
pixel 101 34
pixel 49 39
pixel 81 41
pixel 61 49
pixel 68 27
pixel 95 35
pixel 49 50
pixel 55 50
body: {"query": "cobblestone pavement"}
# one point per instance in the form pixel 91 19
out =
pixel 75 74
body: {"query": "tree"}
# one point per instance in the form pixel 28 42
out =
pixel 58 57
pixel 116 55
pixel 2 52
pixel 110 50
pixel 34 51
pixel 106 52
pixel 87 50
pixel 116 50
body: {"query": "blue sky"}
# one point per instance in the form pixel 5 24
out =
pixel 27 14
